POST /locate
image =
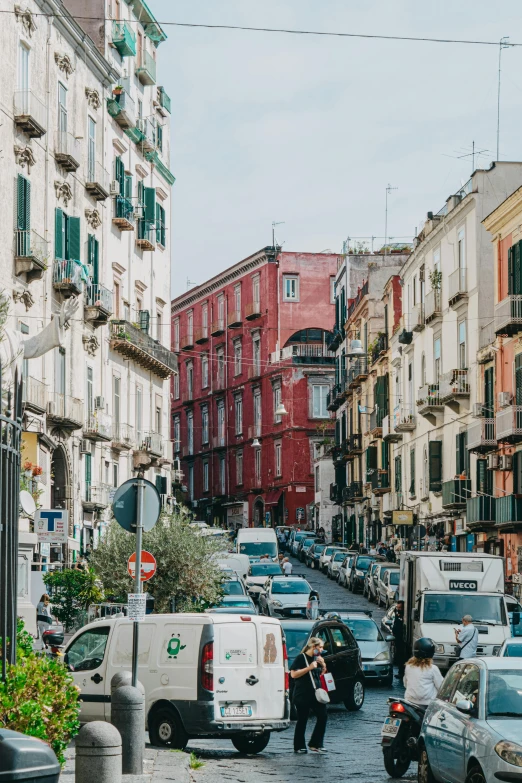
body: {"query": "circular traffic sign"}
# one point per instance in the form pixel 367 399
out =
pixel 148 566
pixel 124 505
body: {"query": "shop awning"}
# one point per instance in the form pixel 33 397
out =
pixel 272 498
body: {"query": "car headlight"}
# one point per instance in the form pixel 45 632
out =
pixel 277 603
pixel 359 573
pixel 510 752
pixel 439 648
pixel 384 656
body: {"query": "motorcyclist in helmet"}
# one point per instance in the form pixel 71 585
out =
pixel 422 679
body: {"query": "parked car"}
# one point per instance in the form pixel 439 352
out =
pixel 326 556
pixel 345 569
pixel 472 731
pixel 233 585
pixel 285 596
pixel 304 546
pixel 313 555
pixel 388 586
pixel 368 579
pixel 236 601
pixel 378 571
pixel 360 565
pixel 374 647
pixel 341 655
pixel 296 540
pixel 257 576
pixel 511 648
pixel 337 559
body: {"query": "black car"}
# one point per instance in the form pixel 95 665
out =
pixel 341 655
pixel 313 555
pixel 303 547
pixel 359 568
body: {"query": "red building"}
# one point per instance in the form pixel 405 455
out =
pixel 249 340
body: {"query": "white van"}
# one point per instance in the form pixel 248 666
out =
pixel 205 675
pixel 257 541
pixel 238 563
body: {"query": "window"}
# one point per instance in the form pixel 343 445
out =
pixel 88 476
pixel 342 640
pixel 398 475
pixel 191 482
pixel 139 413
pixel 90 392
pixel 62 108
pixel 177 435
pixel 159 136
pixel 257 466
pixel 332 290
pixel 116 400
pixel 278 448
pixel 176 335
pixel 204 371
pixel 204 316
pixel 237 357
pixel 176 386
pixel 255 290
pixel 238 405
pixel 423 369
pixel 446 689
pixel 412 473
pixel 237 298
pixel 190 432
pixel 87 652
pixel 23 217
pixel 461 250
pixel 462 456
pixel 204 425
pixel 221 422
pixel 23 72
pixel 222 487
pixel 463 362
pixel 115 474
pixel 221 309
pixel 91 150
pixel 437 360
pixel 435 465
pixel 256 354
pixel 239 467
pixel 276 392
pixel 190 380
pixel 93 256
pixel 317 478
pixel 126 311
pixel 205 477
pixel 319 394
pixel 290 288
pixel 220 368
pixel 257 412
pixel 67 245
pixel 468 685
pixel 425 473
pixel 158 408
pixel 159 324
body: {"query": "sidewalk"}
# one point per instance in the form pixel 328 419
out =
pixel 160 766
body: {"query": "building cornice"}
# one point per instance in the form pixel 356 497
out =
pixel 509 209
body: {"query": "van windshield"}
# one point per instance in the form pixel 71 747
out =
pixel 258 548
pixel 449 608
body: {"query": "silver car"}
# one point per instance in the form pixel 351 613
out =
pixel 472 731
pixel 374 647
pixel 345 569
pixel 335 563
pixel 388 586
pixel 285 596
pixel 512 648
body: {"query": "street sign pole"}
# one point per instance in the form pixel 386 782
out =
pixel 140 488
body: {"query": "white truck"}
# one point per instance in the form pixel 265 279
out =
pixel 439 588
pixel 257 542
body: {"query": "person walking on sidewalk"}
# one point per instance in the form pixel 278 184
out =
pixel 305 672
pixel 43 615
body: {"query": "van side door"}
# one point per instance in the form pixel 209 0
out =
pixel 345 657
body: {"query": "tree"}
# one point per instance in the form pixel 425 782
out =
pixel 185 569
pixel 71 591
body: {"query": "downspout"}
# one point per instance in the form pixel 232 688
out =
pixel 47 305
pixel 226 422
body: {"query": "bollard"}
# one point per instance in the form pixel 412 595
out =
pixel 128 716
pixel 98 754
pixel 124 678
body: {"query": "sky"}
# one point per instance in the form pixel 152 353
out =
pixel 309 131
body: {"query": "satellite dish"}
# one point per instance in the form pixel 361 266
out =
pixel 27 503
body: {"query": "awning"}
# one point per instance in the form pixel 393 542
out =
pixel 272 499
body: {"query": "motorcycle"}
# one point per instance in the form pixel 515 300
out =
pixel 53 643
pixel 400 733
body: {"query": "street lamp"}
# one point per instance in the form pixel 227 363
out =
pixel 281 410
pixel 356 348
pixel 256 444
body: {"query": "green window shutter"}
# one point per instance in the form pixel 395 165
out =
pixel 159 137
pixel 88 469
pixel 58 235
pixel 489 400
pixel 158 224
pixel 128 186
pixel 161 484
pixel 481 476
pixel 517 269
pixel 398 474
pixel 371 458
pixel 518 379
pixel 27 215
pixel 74 238
pixel 435 465
pixel 517 467
pixel 412 472
pixel 510 271
pixel 385 455
pixel 23 211
pixel 96 262
pixel 92 254
pixel 149 197
pixel 343 427
pixel 120 174
pixel 465 453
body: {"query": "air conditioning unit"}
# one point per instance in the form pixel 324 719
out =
pixel 505 462
pixel 85 446
pixel 115 188
pixel 51 408
pixel 194 504
pixel 493 460
pixel 478 407
pixel 504 399
pixel 99 403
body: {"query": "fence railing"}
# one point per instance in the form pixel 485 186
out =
pixel 98 424
pixel 509 422
pixel 428 396
pixel 454 383
pixel 63 406
pixel 34 393
pixel 97 295
pixel 29 108
pixel 29 244
pixel 508 312
pixel 124 434
pixel 432 306
pixel 457 283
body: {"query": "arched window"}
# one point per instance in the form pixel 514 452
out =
pixel 317 336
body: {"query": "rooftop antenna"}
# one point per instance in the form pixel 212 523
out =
pixel 503 44
pixel 274 224
pixel 473 154
pixel 190 283
pixel 389 188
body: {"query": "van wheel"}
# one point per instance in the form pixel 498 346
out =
pixel 165 728
pixel 355 699
pixel 250 745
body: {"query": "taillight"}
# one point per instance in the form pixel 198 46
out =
pixel 397 707
pixel 207 666
pixel 287 675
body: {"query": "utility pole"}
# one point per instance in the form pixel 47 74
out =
pixel 503 44
pixel 389 188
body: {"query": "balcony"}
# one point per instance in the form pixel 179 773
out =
pixel 357 372
pixel 34 395
pixel 122 109
pixel 454 387
pixel 355 491
pixel 303 354
pixel 124 39
pixel 218 442
pixel 68 277
pixel 187 397
pixel 98 304
pixel 218 327
pixel 487 338
pixel 335 493
pixel 153 444
pixel 432 307
pixel 404 418
pixel 380 482
pixel 67 151
pixel 480 512
pixel 146 238
pixel 30 113
pixel 457 286
pixel 417 323
pixel 145 134
pixel 146 72
pixel 456 493
pixel 98 427
pixel 97 497
pixel 509 424
pixel 508 511
pixel 254 371
pixel 31 255
pixel 201 335
pixel 97 181
pixel 481 435
pixel 376 417
pixel 187 341
pixel 65 411
pixel 380 347
pixel 123 437
pixel 334 397
pixel 354 444
pixel 508 316
pixel 134 343
pixel 234 319
pixel 252 310
pixel 123 216
pixel 388 433
pixel 429 402
pixel 164 102
pixel 392 501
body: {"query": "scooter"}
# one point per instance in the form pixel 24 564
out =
pixel 400 733
pixel 53 643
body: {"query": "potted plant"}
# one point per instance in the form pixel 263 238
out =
pixel 435 279
pixel 117 90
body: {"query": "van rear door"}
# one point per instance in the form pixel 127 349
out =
pixel 245 685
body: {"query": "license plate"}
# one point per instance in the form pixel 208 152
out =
pixel 236 711
pixel 296 611
pixel 365 667
pixel 391 727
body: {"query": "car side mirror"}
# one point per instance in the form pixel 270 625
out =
pixel 416 615
pixel 390 638
pixel 516 618
pixel 464 705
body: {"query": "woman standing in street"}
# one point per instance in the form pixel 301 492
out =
pixel 43 615
pixel 305 672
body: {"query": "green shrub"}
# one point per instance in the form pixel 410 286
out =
pixel 71 591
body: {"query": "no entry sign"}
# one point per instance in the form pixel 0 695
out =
pixel 148 565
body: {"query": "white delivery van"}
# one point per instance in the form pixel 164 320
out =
pixel 205 675
pixel 257 542
pixel 238 563
pixel 439 588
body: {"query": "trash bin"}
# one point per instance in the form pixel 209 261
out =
pixel 26 758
